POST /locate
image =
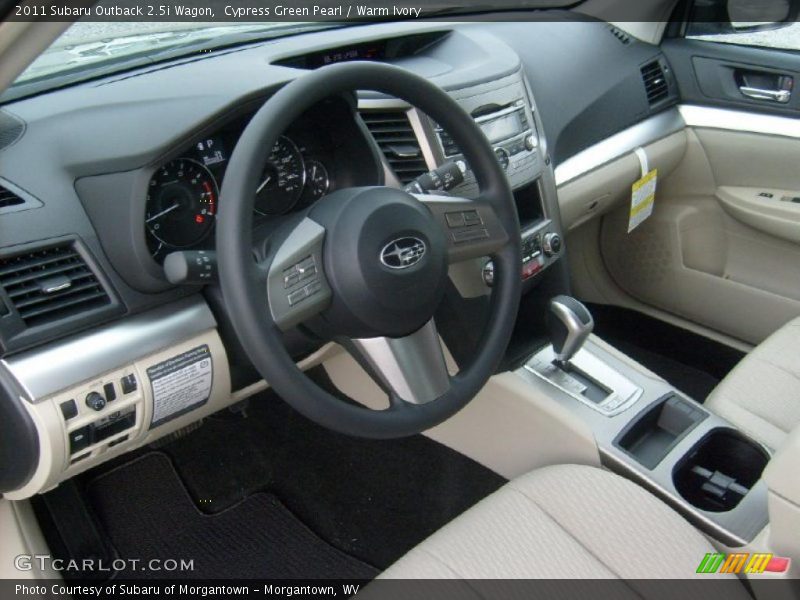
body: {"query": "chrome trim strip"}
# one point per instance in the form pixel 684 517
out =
pixel 641 134
pixel 610 460
pixel 412 366
pixel 613 380
pixel 415 118
pixel 738 120
pixel 62 364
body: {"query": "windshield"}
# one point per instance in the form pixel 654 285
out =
pixel 89 49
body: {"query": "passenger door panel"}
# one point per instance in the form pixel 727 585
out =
pixel 718 249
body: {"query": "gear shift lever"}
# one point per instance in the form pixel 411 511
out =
pixel 569 323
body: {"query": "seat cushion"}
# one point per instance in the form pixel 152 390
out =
pixel 761 395
pixel 565 521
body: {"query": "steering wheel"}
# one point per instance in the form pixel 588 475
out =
pixel 367 266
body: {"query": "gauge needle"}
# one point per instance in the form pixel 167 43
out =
pixel 162 213
pixel 263 184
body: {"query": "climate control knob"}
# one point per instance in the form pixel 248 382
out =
pixel 95 401
pixel 551 243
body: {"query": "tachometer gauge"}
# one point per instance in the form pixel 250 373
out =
pixel 283 179
pixel 181 204
pixel 317 179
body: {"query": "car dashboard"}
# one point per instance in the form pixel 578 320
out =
pixel 105 179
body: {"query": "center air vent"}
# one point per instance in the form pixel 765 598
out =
pixel 50 284
pixel 395 137
pixel 655 82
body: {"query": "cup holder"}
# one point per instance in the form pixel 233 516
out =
pixel 719 470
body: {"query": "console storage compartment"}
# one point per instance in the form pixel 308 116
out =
pixel 719 470
pixel 653 434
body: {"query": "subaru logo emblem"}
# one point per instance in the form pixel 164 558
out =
pixel 403 252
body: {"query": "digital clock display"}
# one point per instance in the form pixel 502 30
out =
pixel 360 52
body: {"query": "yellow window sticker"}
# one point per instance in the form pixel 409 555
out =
pixel 643 197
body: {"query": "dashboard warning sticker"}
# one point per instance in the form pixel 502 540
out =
pixel 180 384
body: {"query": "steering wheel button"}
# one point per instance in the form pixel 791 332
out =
pixel 306 263
pixel 297 296
pixel 471 217
pixel 467 235
pixel 309 272
pixel 313 287
pixel 290 280
pixel 455 219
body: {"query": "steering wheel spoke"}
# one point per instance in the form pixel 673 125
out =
pixel 410 368
pixel 297 288
pixel 472 227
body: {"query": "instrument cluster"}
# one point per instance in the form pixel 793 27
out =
pixel 183 193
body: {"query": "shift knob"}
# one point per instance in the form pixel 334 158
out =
pixel 569 323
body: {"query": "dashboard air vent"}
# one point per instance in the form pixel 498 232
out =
pixel 623 37
pixel 9 198
pixel 50 284
pixel 655 83
pixel 395 137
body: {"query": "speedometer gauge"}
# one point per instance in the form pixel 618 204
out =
pixel 283 179
pixel 181 204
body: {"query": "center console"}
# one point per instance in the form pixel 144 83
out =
pixel 650 432
pixel 505 111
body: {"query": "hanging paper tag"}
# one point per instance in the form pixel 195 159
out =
pixel 643 193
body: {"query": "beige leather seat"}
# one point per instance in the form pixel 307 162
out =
pixel 566 521
pixel 761 395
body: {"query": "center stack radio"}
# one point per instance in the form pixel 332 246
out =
pixel 513 137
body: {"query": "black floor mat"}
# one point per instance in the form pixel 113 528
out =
pixel 692 363
pixel 373 499
pixel 147 513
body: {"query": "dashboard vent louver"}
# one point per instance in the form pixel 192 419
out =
pixel 9 198
pixel 655 82
pixel 50 284
pixel 394 135
pixel 623 37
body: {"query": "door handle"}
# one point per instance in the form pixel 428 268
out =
pixel 780 96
